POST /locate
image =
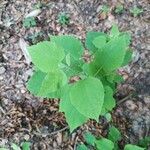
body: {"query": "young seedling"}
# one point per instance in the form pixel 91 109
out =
pixel 63 18
pixel 119 9
pixel 105 9
pixel 135 11
pixel 109 143
pixel 29 22
pixel 133 147
pixel 145 142
pixel 104 12
pixel 25 146
pixel 85 89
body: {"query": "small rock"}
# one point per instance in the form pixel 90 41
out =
pixel 34 13
pixel 5 101
pixel 59 138
pixel 96 20
pixel 54 144
pixel 135 56
pixel 147 100
pixel 2 70
pixel 130 105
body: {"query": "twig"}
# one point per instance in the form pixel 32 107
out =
pixel 52 133
pixel 124 99
pixel 2 110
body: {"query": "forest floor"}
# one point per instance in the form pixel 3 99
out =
pixel 24 117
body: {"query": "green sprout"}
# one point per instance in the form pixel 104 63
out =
pixel 105 9
pixel 119 9
pixel 63 18
pixel 136 11
pixel 29 22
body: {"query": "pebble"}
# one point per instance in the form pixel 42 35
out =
pixel 147 100
pixel 135 56
pixel 130 105
pixel 59 138
pixel 34 13
pixel 5 101
pixel 2 70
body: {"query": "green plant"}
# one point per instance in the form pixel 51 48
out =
pixel 63 18
pixel 102 143
pixel 105 9
pixel 85 89
pixel 133 147
pixel 25 146
pixel 114 135
pixel 82 147
pixel 145 142
pixel 29 22
pixel 135 11
pixel 98 144
pixel 119 9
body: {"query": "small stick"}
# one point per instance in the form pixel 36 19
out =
pixel 124 99
pixel 52 133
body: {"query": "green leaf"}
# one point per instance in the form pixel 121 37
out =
pixel 118 78
pixel 1 148
pixel 70 71
pixel 15 147
pixel 109 101
pixel 114 32
pixel 73 49
pixel 112 56
pixel 87 97
pixel 90 69
pixel 113 77
pixel 35 82
pixel 89 40
pixel 89 138
pixel 52 82
pixel 70 44
pixel 108 117
pixel 127 58
pixel 74 118
pixel 82 147
pixel 133 147
pixel 26 145
pixel 46 85
pixel 104 144
pixel 99 42
pixel 46 55
pixel 145 142
pixel 114 134
pixel 127 37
